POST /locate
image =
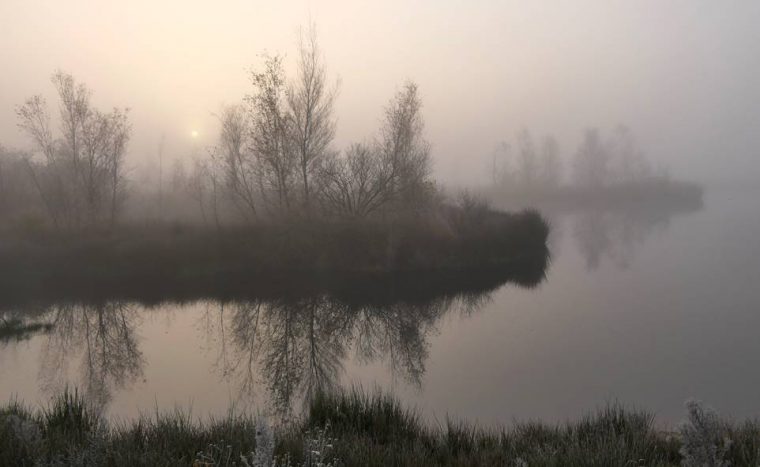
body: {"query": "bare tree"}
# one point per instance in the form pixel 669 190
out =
pixel 591 165
pixel 83 175
pixel 357 184
pixel 366 178
pixel 99 166
pixel 80 128
pixel 275 151
pixel 204 187
pixel 270 132
pixel 256 154
pixel 113 158
pixel 527 158
pixel 630 164
pixel 500 168
pixel 240 168
pixel 404 148
pixel 310 103
pixel 550 163
pixel 34 119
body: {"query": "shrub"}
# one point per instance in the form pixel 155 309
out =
pixel 704 441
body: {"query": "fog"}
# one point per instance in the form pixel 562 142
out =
pixel 327 226
pixel 684 75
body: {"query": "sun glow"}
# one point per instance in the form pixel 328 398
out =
pixel 194 134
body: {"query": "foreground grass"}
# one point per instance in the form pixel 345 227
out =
pixel 354 428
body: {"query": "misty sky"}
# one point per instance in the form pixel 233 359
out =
pixel 685 75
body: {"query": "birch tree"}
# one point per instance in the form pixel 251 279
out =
pixel 81 179
pixel 310 104
pixel 404 148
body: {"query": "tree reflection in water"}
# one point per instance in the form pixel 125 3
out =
pixel 618 234
pixel 279 349
pixel 102 338
pixel 295 348
pixel 281 346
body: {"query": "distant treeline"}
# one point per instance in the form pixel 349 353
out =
pixel 605 170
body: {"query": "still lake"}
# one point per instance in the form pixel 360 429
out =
pixel 645 308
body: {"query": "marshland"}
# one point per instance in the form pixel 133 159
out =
pixel 382 234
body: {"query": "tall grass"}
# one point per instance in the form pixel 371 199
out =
pixel 358 428
pixel 70 418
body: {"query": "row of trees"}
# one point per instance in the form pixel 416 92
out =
pixel 275 155
pixel 600 160
pixel 78 172
pixel 527 164
pixel 616 158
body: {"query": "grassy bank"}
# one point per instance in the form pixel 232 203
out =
pixel 275 258
pixel 354 428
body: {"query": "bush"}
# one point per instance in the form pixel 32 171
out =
pixel 704 440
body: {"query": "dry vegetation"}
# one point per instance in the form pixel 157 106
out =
pixel 355 428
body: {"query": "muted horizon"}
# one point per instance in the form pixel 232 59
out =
pixel 683 75
pixel 363 233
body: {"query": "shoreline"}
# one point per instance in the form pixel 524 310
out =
pixel 354 258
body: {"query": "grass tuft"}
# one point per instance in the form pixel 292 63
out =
pixel 70 417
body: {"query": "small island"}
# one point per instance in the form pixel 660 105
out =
pixel 272 206
pixel 608 171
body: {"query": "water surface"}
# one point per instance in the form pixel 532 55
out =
pixel 646 307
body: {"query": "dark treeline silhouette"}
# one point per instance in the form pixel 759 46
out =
pixel 158 280
pixel 606 171
pixel 273 195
